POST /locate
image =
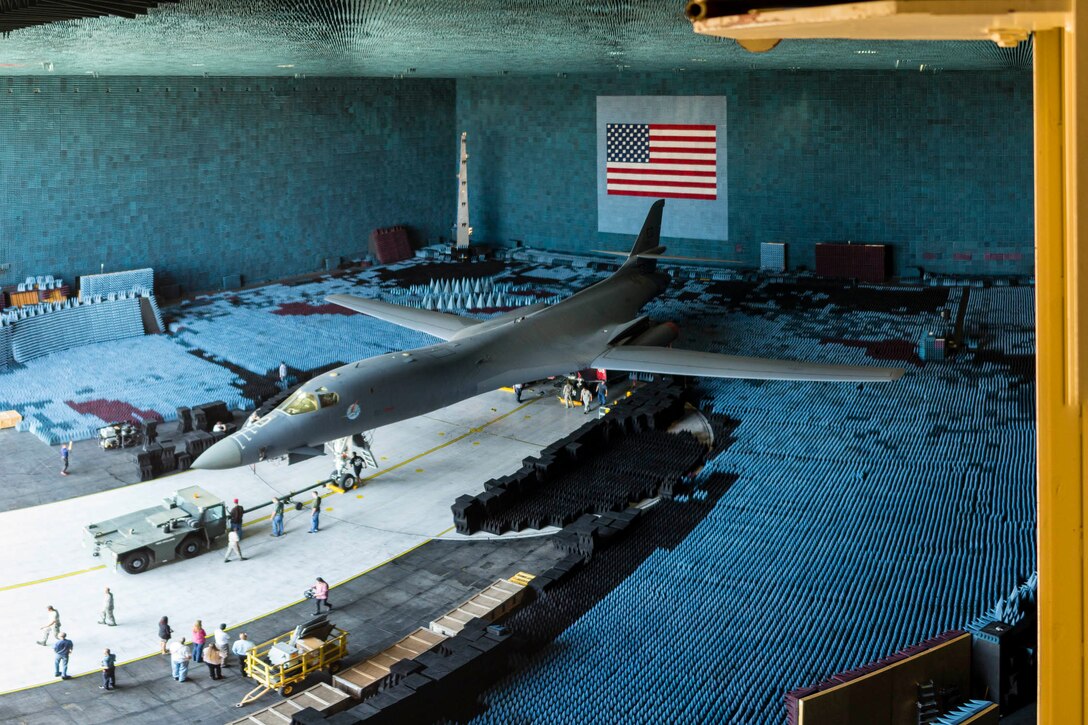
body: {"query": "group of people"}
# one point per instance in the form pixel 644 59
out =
pixel 236 514
pixel 62 646
pixel 579 390
pixel 212 649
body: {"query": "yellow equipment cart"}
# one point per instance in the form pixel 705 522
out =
pixel 292 657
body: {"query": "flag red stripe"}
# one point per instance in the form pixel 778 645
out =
pixel 681 150
pixel 655 182
pixel 701 139
pixel 681 127
pixel 686 162
pixel 676 195
pixel 664 172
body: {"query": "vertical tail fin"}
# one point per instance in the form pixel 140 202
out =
pixel 649 239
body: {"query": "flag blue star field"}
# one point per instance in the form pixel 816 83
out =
pixel 662 147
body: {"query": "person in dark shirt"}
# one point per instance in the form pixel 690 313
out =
pixel 236 518
pixel 165 633
pixel 109 660
pixel 315 515
pixel 277 517
pixel 61 649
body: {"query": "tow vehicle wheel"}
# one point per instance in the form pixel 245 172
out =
pixel 347 482
pixel 191 546
pixel 137 561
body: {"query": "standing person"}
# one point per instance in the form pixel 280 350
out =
pixel 65 452
pixel 180 655
pixel 587 400
pixel 222 643
pixel 61 649
pixel 602 394
pixel 283 375
pixel 568 395
pixel 51 627
pixel 107 610
pixel 199 637
pixel 165 633
pixel 315 515
pixel 109 660
pixel 214 661
pixel 234 546
pixel 357 465
pixel 321 594
pixel 240 647
pixel 277 517
pixel 236 518
pixel 517 391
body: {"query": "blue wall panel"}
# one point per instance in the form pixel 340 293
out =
pixel 940 165
pixel 205 177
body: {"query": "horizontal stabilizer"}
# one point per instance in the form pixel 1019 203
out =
pixel 440 324
pixel 669 257
pixel 713 365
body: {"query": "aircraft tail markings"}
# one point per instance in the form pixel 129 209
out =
pixel 440 324
pixel 670 361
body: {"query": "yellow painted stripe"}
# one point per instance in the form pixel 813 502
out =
pixel 409 550
pixel 297 601
pixel 51 578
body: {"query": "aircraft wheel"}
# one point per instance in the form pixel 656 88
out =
pixel 191 546
pixel 137 561
pixel 347 482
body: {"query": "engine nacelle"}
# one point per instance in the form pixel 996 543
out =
pixel 658 335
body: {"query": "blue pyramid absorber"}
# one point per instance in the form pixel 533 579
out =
pixel 890 513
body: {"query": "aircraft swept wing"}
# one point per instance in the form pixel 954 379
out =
pixel 440 324
pixel 668 361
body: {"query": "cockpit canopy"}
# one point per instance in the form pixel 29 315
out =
pixel 307 402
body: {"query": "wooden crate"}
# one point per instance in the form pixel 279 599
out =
pixel 324 698
pixel 364 678
pixel 491 604
pixel 9 418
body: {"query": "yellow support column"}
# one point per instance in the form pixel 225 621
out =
pixel 1061 385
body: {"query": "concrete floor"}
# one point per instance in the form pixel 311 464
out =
pixel 426 461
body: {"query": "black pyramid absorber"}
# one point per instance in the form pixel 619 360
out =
pixel 16 14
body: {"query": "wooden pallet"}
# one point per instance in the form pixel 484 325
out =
pixel 491 604
pixel 326 699
pixel 364 678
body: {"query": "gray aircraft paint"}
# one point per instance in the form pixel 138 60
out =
pixel 584 331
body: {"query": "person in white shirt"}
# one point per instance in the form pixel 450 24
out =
pixel 241 646
pixel 180 654
pixel 234 546
pixel 222 642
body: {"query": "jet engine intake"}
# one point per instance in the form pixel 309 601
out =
pixel 657 336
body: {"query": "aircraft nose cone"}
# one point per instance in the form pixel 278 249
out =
pixel 224 454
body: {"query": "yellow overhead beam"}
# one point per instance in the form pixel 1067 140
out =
pixel 1061 263
pixel 1006 23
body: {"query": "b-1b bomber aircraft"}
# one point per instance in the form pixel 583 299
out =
pixel 598 327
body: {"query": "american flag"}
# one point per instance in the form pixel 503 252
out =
pixel 676 161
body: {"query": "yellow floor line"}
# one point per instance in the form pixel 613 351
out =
pixel 51 578
pixel 409 550
pixel 257 520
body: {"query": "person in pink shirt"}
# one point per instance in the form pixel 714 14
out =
pixel 321 594
pixel 199 636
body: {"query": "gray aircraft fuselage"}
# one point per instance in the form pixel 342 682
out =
pixel 396 386
pixel 597 327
